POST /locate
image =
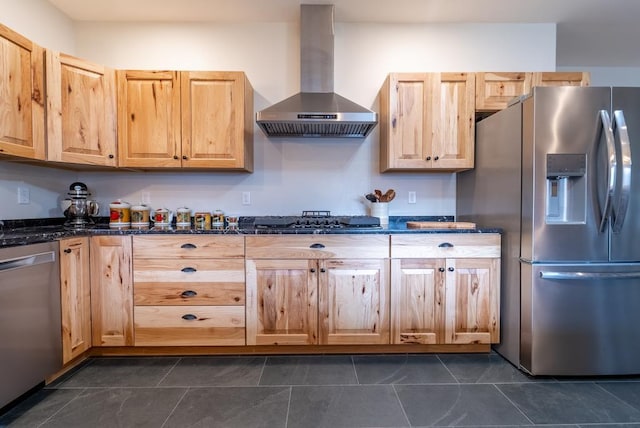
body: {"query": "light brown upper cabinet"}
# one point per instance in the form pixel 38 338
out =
pixel 427 122
pixel 494 90
pixel 21 96
pixel 81 111
pixel 185 119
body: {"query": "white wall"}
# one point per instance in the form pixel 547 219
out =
pixel 295 175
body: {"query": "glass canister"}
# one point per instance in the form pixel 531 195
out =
pixel 119 214
pixel 162 217
pixel 183 217
pixel 202 220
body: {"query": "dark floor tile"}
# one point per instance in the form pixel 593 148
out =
pixel 607 426
pixel 459 405
pixel 345 406
pixel 629 392
pixel 38 407
pixel 482 368
pixel 309 370
pixel 401 369
pixel 215 371
pixel 232 407
pixel 121 372
pixel 118 407
pixel 569 403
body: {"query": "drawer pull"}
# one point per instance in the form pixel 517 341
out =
pixel 188 293
pixel 189 270
pixel 188 246
pixel 189 317
pixel 445 245
pixel 67 250
pixel 316 245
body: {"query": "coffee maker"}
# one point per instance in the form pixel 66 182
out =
pixel 77 208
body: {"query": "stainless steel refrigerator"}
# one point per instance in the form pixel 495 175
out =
pixel 559 172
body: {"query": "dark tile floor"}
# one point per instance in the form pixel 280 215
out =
pixel 324 391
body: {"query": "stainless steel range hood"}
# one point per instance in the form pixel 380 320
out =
pixel 316 111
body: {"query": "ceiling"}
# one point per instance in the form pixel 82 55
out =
pixel 589 32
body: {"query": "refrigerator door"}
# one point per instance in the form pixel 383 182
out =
pixel 624 245
pixel 581 319
pixel 563 174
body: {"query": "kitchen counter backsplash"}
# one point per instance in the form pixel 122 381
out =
pixel 31 231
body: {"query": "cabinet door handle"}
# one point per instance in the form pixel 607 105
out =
pixel 441 269
pixel 316 245
pixel 188 293
pixel 445 245
pixel 436 158
pixel 184 157
pixel 67 250
pixel 188 246
pixel 428 158
pixel 176 157
pixel 111 156
pixel 450 269
pixel 189 317
pixel 188 269
pixel 312 270
pixel 323 270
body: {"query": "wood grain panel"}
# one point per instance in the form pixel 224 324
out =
pixel 494 90
pixel 299 246
pixel 476 245
pixel 188 247
pixel 561 78
pixel 213 325
pixel 22 96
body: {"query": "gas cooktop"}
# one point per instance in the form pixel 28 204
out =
pixel 316 220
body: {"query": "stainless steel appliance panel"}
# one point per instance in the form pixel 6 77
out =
pixel 581 319
pixel 624 242
pixel 30 326
pixel 562 120
pixel 489 195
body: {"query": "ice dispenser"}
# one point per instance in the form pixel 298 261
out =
pixel 566 196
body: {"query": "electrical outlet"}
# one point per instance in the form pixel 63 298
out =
pixel 412 197
pixel 23 195
pixel 246 198
pixel 145 198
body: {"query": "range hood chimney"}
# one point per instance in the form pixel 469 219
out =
pixel 316 111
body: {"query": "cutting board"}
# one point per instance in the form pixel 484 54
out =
pixel 440 225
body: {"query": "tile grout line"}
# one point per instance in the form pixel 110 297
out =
pixel 264 365
pixel 447 369
pixel 175 407
pixel 60 409
pixel 355 372
pixel 168 371
pixel 514 404
pixel 286 419
pixel 404 412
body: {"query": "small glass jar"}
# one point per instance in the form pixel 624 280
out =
pixel 217 219
pixel 183 217
pixel 202 220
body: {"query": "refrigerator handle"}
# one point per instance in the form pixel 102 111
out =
pixel 605 123
pixel 588 275
pixel 621 201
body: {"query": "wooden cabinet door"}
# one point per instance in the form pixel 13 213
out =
pixel 472 301
pixel 282 302
pixel 111 291
pixel 417 301
pixel 148 119
pixel 405 128
pixel 494 91
pixel 427 121
pixel 453 114
pixel 22 96
pixel 217 120
pixel 561 78
pixel 354 302
pixel 81 115
pixel 75 293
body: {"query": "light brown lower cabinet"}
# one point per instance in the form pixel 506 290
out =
pixel 189 290
pixel 75 297
pixel 446 289
pixel 327 290
pixel 111 291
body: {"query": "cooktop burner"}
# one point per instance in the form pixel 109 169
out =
pixel 316 220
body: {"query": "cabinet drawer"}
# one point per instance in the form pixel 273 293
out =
pixel 188 246
pixel 439 245
pixel 171 326
pixel 317 247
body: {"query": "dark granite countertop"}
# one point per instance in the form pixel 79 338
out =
pixel 22 232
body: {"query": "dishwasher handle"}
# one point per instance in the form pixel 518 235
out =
pixel 27 261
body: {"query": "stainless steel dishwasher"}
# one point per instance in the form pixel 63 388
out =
pixel 30 326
